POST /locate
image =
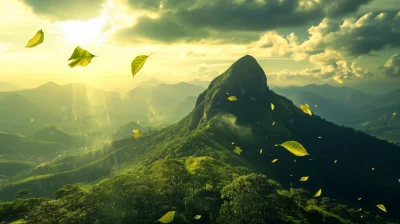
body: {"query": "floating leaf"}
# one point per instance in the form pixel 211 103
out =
pixel 233 143
pixel 319 192
pixel 335 161
pixel 360 209
pixel 373 168
pixel 273 123
pixel 232 98
pixel 394 114
pixel 36 40
pixel 319 137
pixel 168 217
pixel 136 133
pixel 315 105
pixel 197 217
pixel 305 178
pixel 359 199
pixel 272 106
pixel 295 148
pixel 237 150
pixel 80 57
pixel 138 63
pixel 273 161
pixel 381 207
pixel 306 109
pixel 260 151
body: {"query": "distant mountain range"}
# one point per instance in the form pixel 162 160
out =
pixel 90 109
pixel 369 113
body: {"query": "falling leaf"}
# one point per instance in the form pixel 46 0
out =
pixel 138 63
pixel 294 160
pixel 295 148
pixel 197 217
pixel 381 207
pixel 168 217
pixel 232 98
pixel 237 150
pixel 136 133
pixel 361 216
pixel 319 192
pixel 305 178
pixel 394 114
pixel 273 161
pixel 32 120
pixel 273 123
pixel 359 199
pixel 315 105
pixel 335 161
pixel 319 137
pixel 360 209
pixel 80 57
pixel 233 143
pixel 36 40
pixel 306 109
pixel 373 168
pixel 272 106
pixel 260 151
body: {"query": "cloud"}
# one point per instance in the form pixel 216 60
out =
pixel 66 9
pixel 227 122
pixel 338 71
pixel 204 72
pixel 392 66
pixel 355 36
pixel 193 54
pixel 198 20
pixel 6 47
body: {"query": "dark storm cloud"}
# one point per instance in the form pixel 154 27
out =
pixel 199 18
pixel 66 9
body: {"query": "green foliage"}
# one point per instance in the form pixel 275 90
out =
pixel 80 57
pixel 23 193
pixel 138 63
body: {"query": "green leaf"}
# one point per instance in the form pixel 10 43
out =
pixel 80 57
pixel 232 98
pixel 237 150
pixel 168 217
pixel 295 148
pixel 36 40
pixel 197 217
pixel 306 109
pixel 137 133
pixel 138 63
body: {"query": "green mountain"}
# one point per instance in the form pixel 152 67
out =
pixel 53 133
pixel 21 115
pixel 126 130
pixel 191 167
pixel 18 147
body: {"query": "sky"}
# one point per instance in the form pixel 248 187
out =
pixel 352 43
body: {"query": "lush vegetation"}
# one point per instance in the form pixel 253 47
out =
pixel 192 168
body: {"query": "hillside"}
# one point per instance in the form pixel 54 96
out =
pixel 18 147
pixel 126 130
pixel 53 133
pixel 191 167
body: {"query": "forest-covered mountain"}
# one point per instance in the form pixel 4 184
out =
pixel 211 164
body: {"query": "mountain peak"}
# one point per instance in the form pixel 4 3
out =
pixel 244 79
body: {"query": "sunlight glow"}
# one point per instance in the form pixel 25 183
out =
pixel 83 32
